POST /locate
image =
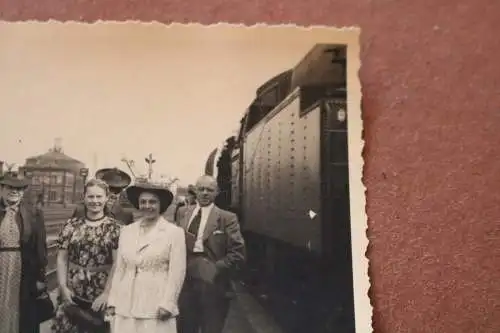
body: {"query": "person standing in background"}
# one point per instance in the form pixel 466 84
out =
pixel 189 202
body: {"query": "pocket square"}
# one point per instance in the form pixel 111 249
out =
pixel 217 232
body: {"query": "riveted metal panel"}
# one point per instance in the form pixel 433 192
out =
pixel 282 177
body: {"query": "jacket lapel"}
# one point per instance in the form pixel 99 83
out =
pixel 154 234
pixel 212 222
pixel 186 217
pixel 141 243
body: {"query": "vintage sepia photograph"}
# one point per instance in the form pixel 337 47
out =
pixel 181 179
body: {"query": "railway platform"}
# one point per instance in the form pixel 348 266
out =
pixel 245 315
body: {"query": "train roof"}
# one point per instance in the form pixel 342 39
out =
pixel 323 64
pixel 283 78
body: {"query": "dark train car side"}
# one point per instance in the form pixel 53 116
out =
pixel 286 176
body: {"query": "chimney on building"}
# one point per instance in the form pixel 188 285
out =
pixel 58 145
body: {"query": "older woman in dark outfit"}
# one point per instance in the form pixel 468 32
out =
pixel 23 258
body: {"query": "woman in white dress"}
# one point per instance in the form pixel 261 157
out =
pixel 150 267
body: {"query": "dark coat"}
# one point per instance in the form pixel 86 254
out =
pixel 180 211
pixel 117 212
pixel 176 217
pixel 208 286
pixel 31 224
pixel 222 240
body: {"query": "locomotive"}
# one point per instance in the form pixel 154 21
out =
pixel 286 175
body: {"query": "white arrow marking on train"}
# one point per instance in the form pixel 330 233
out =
pixel 312 214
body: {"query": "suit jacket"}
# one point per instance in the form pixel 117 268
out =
pixel 180 211
pixel 151 274
pixel 222 241
pixel 31 224
pixel 117 212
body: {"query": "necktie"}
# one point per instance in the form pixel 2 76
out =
pixel 195 224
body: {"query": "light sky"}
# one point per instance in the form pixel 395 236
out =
pixel 126 90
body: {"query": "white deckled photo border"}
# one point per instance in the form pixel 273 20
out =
pixel 349 36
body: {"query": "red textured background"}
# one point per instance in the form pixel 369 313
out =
pixel 431 96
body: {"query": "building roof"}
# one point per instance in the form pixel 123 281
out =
pixel 54 158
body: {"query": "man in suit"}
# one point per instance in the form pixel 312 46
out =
pixel 117 181
pixel 215 250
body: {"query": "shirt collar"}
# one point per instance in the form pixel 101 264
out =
pixel 206 208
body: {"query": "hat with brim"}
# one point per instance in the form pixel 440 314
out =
pixel 114 177
pixel 165 196
pixel 14 182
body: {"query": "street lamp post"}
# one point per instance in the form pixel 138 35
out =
pixel 150 161
pixel 84 172
pixel 45 182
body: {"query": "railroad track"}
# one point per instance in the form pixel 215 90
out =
pixel 53 227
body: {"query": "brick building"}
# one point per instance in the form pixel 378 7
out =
pixel 55 177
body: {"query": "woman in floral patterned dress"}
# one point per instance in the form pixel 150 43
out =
pixel 87 251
